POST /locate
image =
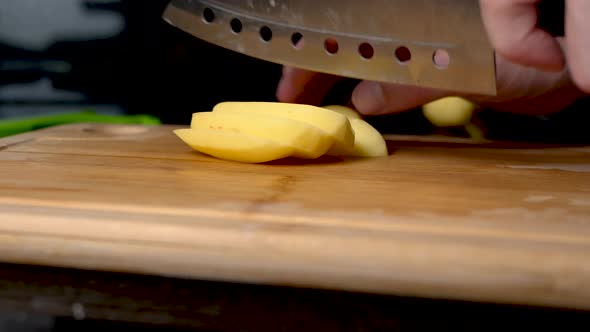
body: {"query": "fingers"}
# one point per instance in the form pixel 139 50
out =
pixel 292 83
pixel 532 77
pixel 521 89
pixel 527 90
pixel 578 41
pixel 372 98
pixel 303 86
pixel 512 27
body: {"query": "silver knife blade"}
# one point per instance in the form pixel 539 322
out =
pixel 439 44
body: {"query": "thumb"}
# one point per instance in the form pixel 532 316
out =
pixel 374 98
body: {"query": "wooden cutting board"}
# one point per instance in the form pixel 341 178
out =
pixel 438 218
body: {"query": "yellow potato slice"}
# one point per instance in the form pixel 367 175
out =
pixel 233 146
pixel 449 111
pixel 344 110
pixel 368 142
pixel 307 141
pixel 333 124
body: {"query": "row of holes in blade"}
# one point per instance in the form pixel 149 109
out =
pixel 440 58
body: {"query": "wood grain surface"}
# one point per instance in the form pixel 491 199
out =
pixel 493 222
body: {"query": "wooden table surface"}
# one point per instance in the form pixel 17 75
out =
pixel 439 219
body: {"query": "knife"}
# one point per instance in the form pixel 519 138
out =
pixel 439 44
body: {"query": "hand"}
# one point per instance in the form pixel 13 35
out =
pixel 512 27
pixel 534 83
pixel 521 89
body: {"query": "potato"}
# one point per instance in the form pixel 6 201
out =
pixel 333 124
pixel 233 146
pixel 344 110
pixel 368 142
pixel 449 111
pixel 257 132
pixel 306 140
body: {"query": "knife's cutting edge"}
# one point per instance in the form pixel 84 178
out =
pixel 470 70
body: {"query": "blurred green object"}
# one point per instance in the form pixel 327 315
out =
pixel 18 126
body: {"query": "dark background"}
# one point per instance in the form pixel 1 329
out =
pixel 150 67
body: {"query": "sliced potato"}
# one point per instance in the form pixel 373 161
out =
pixel 233 146
pixel 306 140
pixel 368 142
pixel 333 124
pixel 449 111
pixel 344 110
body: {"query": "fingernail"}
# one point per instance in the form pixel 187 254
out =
pixel 369 98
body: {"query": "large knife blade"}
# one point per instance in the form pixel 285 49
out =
pixel 430 43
